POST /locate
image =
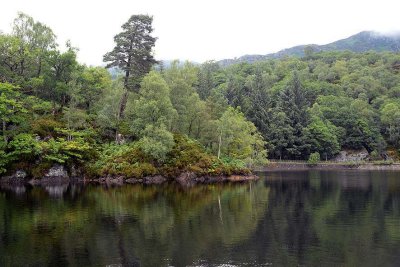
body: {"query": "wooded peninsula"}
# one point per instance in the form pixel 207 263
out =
pixel 138 117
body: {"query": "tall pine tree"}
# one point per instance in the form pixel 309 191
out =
pixel 133 53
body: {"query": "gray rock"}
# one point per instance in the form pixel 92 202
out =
pixel 57 171
pixel 74 171
pixel 16 178
pixel 20 174
pixel 346 156
pixel 111 180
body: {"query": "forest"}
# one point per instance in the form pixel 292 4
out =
pixel 136 117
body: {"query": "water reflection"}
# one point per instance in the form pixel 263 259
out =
pixel 335 217
pixel 287 218
pixel 56 190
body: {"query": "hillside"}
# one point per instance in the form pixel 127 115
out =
pixel 360 42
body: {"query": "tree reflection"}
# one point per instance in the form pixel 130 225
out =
pixel 308 218
pixel 334 217
pixel 131 225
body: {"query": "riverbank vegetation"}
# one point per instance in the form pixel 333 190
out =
pixel 147 121
pixel 139 117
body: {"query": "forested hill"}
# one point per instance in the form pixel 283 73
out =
pixel 360 42
pixel 324 102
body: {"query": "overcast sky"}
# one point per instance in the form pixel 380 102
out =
pixel 207 29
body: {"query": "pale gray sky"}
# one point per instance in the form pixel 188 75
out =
pixel 207 29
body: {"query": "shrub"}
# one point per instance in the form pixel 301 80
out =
pixel 131 160
pixel 314 158
pixel 45 127
pixel 374 155
pixel 4 160
pixel 157 142
pixel 24 147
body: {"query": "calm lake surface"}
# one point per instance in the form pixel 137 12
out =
pixel 302 218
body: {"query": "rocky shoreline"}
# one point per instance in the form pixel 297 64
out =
pixel 58 176
pixel 282 166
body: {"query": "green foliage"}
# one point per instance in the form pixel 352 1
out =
pixel 91 83
pixel 202 118
pixel 153 107
pixel 133 50
pixel 374 155
pixel 233 163
pixel 30 149
pixel 156 142
pixel 122 160
pixel 186 155
pixel 324 135
pixel 62 151
pixel 4 158
pixel 323 102
pixel 45 126
pixel 239 138
pixel 54 110
pixel 390 117
pixel 190 109
pixel 11 107
pixel 314 158
pixel 24 147
pixel 107 110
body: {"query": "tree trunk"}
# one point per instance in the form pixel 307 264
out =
pixel 122 104
pixel 53 112
pixel 22 67
pixel 219 145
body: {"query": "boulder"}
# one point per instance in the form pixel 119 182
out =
pixel 57 171
pixel 20 174
pixel 16 178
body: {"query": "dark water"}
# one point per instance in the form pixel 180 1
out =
pixel 315 218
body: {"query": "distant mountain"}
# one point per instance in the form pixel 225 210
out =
pixel 360 42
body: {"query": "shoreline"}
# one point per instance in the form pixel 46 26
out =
pixel 186 179
pixel 292 166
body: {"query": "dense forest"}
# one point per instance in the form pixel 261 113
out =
pixel 323 102
pixel 147 119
